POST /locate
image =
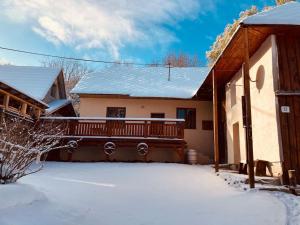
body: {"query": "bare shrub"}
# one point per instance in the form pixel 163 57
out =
pixel 22 143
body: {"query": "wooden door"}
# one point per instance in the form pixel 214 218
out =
pixel 289 107
pixel 236 143
pixel 157 127
pixel 288 94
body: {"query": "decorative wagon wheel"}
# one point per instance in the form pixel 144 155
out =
pixel 109 148
pixel 72 144
pixel 142 149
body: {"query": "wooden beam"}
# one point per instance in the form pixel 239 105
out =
pixel 24 108
pixel 248 127
pixel 6 101
pixel 216 123
pixel 38 113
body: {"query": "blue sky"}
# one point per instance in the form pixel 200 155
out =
pixel 124 30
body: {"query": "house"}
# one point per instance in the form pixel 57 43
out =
pixel 45 85
pixel 256 92
pixel 129 109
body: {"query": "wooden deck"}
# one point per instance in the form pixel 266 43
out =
pixel 125 132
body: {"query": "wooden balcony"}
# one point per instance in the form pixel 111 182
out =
pixel 84 127
pixel 124 133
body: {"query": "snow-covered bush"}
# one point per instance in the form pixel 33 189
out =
pixel 22 143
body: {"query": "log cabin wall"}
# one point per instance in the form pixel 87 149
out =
pixel 21 108
pixel 288 95
pixel 57 91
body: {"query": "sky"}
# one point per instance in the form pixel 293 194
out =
pixel 140 31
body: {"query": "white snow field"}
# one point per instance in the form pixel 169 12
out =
pixel 134 194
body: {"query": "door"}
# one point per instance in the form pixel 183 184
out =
pixel 115 127
pixel 289 111
pixel 157 127
pixel 236 143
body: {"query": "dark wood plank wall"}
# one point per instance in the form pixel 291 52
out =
pixel 288 95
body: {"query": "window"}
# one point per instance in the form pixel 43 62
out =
pixel 14 103
pixel 189 114
pixel 157 127
pixel 54 91
pixel 157 115
pixel 207 125
pixel 116 112
pixel 233 94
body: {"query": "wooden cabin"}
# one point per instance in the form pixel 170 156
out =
pixel 256 93
pixel 43 84
pixel 18 104
pixel 131 108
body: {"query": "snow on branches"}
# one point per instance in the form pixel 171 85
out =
pixel 22 143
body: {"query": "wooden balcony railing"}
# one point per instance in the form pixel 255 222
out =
pixel 121 127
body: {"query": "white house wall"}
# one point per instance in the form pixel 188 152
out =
pixel 263 65
pixel 198 139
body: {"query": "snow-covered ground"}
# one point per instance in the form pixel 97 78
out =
pixel 291 202
pixel 134 194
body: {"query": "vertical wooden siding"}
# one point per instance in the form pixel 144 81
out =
pixel 289 62
pixel 289 88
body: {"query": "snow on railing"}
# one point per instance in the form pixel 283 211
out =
pixel 121 127
pixel 113 118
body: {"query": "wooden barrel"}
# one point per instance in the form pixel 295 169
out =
pixel 192 156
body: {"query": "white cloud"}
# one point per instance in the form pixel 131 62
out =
pixel 106 24
pixel 4 61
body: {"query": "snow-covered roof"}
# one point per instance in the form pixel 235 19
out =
pixel 57 104
pixel 143 81
pixel 33 81
pixel 287 14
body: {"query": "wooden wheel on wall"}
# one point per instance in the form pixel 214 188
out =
pixel 110 148
pixel 72 144
pixel 142 149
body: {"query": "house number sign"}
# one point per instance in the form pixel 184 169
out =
pixel 285 109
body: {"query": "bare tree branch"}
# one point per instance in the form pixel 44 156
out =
pixel 73 72
pixel 22 143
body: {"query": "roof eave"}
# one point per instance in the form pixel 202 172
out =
pixel 134 97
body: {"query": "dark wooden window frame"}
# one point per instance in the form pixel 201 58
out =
pixel 157 115
pixel 190 122
pixel 53 91
pixel 115 108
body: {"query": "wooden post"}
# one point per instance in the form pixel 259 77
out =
pixel 180 152
pixel 24 109
pixel 37 113
pixel 109 127
pixel 145 129
pixel 216 123
pixel 6 101
pixel 248 127
pixel 292 178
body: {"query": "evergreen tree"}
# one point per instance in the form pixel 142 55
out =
pixel 281 2
pixel 222 40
